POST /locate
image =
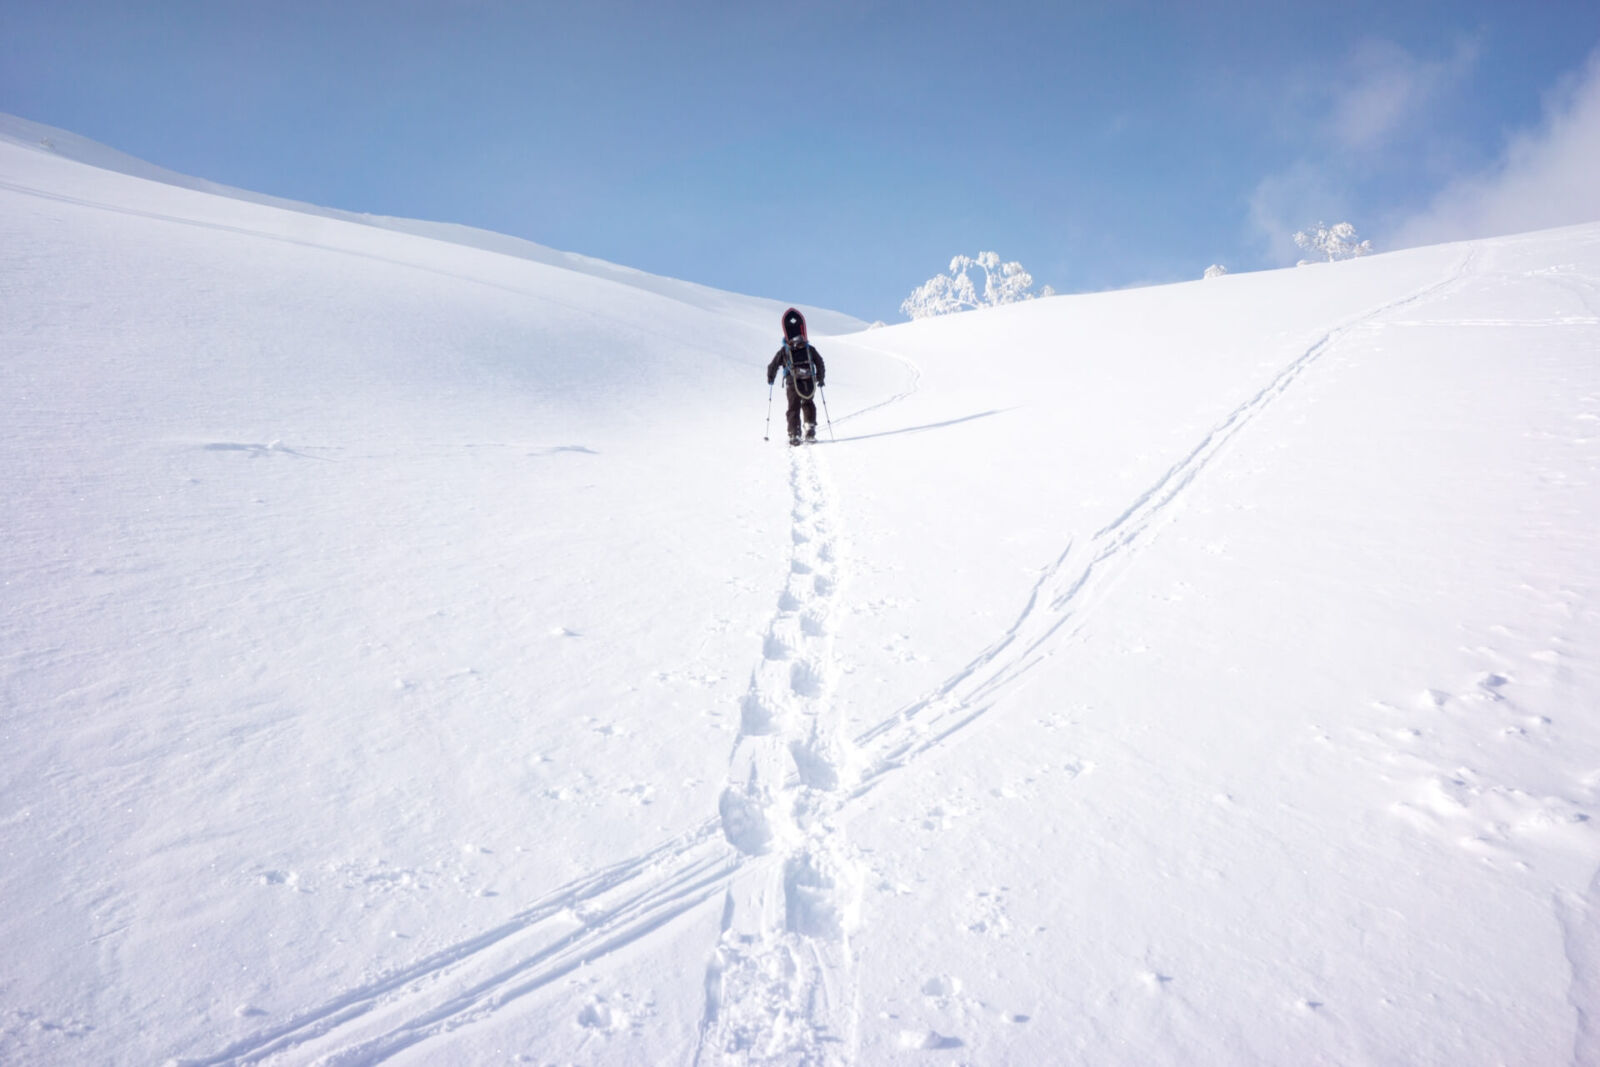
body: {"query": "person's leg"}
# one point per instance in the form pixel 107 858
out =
pixel 794 411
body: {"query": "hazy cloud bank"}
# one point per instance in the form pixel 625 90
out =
pixel 1548 176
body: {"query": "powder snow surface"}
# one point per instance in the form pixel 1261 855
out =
pixel 410 651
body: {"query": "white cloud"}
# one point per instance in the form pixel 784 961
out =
pixel 1548 176
pixel 1352 118
pixel 1384 89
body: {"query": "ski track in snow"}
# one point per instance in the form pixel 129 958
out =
pixel 780 986
pixel 913 382
pixel 1069 588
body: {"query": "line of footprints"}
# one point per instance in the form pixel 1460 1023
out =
pixel 780 981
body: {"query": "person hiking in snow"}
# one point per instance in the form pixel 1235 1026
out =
pixel 803 374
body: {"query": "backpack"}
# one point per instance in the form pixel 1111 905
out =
pixel 797 354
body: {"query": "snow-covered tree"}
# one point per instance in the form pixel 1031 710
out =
pixel 943 294
pixel 1216 270
pixel 1332 242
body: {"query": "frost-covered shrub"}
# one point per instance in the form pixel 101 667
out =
pixel 943 294
pixel 1332 242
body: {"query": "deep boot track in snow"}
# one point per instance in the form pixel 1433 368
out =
pixel 780 984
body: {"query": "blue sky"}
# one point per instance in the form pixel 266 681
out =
pixel 840 153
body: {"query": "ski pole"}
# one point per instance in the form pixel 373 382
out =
pixel 767 433
pixel 824 394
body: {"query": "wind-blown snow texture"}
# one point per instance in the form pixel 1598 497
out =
pixel 410 652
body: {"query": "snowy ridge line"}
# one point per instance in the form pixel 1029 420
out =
pixel 221 227
pixel 452 235
pixel 780 984
pixel 966 695
pixel 298 242
pixel 34 137
pixel 334 249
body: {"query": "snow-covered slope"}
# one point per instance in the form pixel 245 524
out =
pixel 411 652
pixel 40 138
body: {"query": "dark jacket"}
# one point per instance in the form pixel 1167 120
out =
pixel 807 365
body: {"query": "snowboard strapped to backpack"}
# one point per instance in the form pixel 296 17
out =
pixel 797 354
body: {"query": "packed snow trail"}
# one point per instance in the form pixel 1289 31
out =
pixel 780 985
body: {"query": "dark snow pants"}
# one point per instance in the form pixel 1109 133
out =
pixel 799 405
